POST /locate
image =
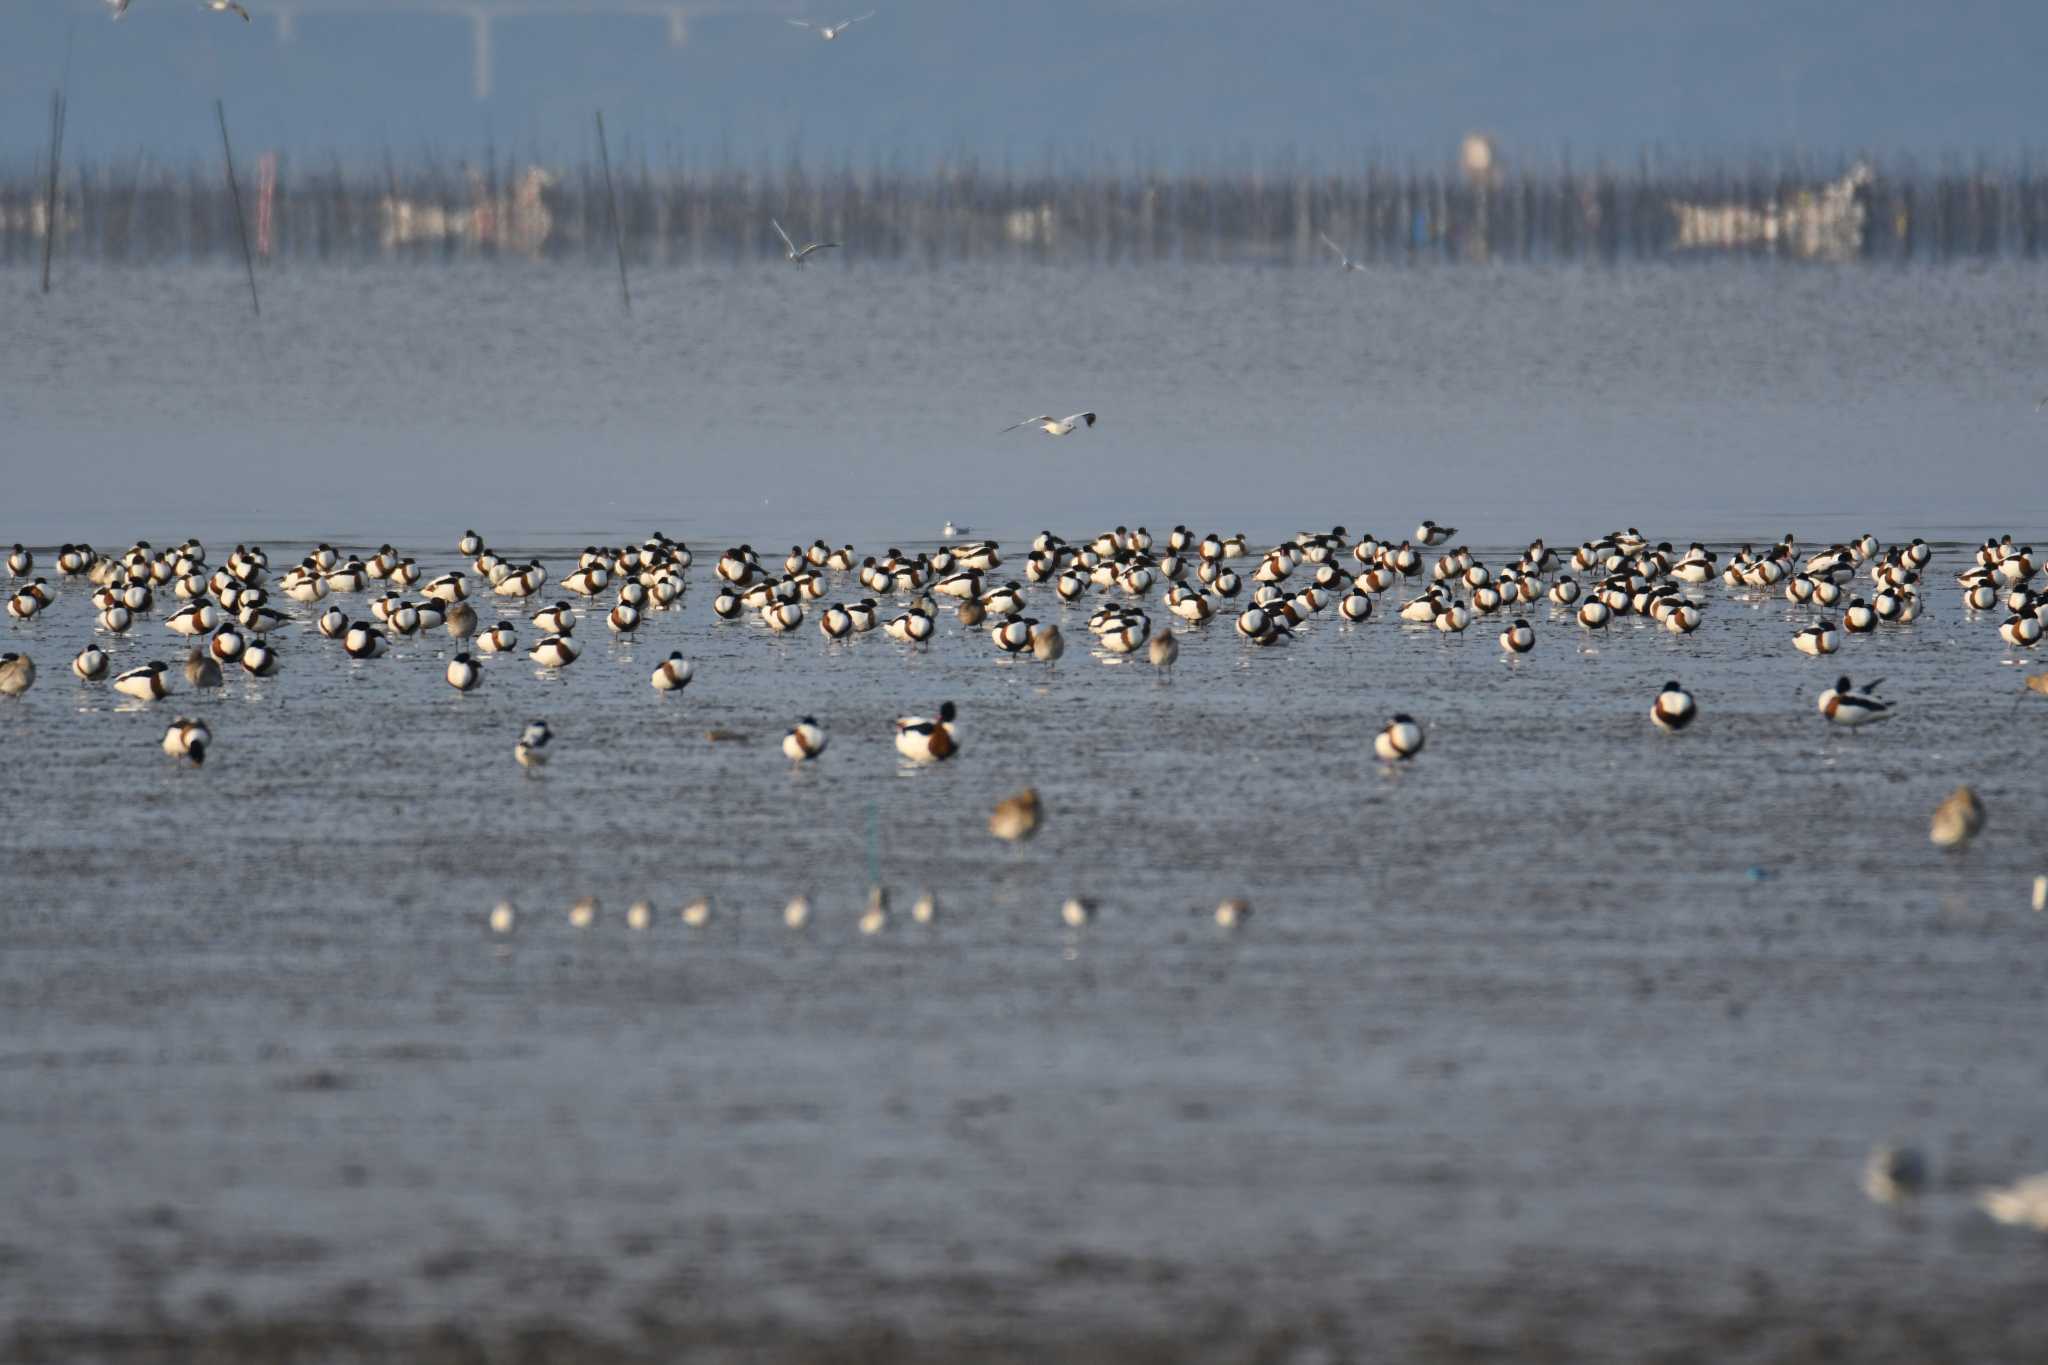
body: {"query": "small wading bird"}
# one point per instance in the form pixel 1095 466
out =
pixel 17 674
pixel 2024 1204
pixel 1342 260
pixel 795 253
pixel 826 31
pixel 1055 426
pixel 1957 820
pixel 1016 816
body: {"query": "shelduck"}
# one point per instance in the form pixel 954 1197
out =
pixel 928 740
pixel 805 741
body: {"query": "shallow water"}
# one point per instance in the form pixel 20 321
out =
pixel 1566 1041
pixel 1567 1033
pixel 863 402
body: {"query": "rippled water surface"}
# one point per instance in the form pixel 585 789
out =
pixel 1566 1041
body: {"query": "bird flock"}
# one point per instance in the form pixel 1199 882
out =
pixel 1123 583
pixel 1135 591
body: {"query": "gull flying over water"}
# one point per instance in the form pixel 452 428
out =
pixel 1055 426
pixel 830 31
pixel 1342 259
pixel 790 249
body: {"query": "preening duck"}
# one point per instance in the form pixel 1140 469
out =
pixel 1845 704
pixel 1818 638
pixel 464 673
pixel 259 660
pixel 1673 710
pixel 674 674
pixel 187 740
pixel 928 740
pixel 554 651
pixel 1012 634
pixel 805 741
pixel 195 619
pixel 912 627
pixel 1399 741
pixel 364 642
pixel 145 683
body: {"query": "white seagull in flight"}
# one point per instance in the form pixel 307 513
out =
pixel 829 31
pixel 1055 426
pixel 790 248
pixel 1342 259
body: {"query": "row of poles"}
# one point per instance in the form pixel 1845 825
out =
pixel 964 213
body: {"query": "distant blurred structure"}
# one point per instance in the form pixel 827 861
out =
pixel 1479 159
pixel 515 221
pixel 1824 224
pixel 1472 208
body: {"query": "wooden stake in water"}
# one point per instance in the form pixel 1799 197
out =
pixel 235 195
pixel 50 197
pixel 612 199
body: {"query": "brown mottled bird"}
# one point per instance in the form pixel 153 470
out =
pixel 1957 820
pixel 1016 816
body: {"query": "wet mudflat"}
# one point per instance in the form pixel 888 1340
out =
pixel 1567 1041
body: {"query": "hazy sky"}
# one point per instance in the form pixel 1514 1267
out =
pixel 1206 80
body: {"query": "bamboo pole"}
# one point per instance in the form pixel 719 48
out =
pixel 235 195
pixel 50 216
pixel 611 200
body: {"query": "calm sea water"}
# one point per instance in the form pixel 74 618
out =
pixel 391 402
pixel 1569 1038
